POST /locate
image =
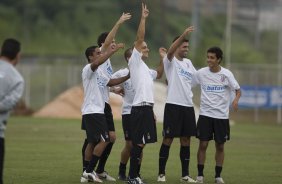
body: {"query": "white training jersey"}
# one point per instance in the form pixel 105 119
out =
pixel 93 101
pixel 216 89
pixel 129 92
pixel 179 76
pixel 142 79
pixel 107 70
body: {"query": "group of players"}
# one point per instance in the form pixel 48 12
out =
pixel 135 83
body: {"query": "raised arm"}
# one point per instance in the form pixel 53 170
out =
pixel 141 29
pixel 105 55
pixel 124 17
pixel 160 69
pixel 177 43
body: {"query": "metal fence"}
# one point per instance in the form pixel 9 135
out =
pixel 45 82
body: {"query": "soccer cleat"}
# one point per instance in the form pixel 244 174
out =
pixel 135 181
pixel 219 180
pixel 105 176
pixel 140 179
pixel 91 177
pixel 122 177
pixel 161 178
pixel 187 179
pixel 200 179
pixel 83 180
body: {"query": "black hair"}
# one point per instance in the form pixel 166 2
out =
pixel 10 48
pixel 185 40
pixel 89 51
pixel 217 51
pixel 101 39
pixel 127 53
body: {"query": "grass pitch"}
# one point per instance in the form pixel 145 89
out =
pixel 48 151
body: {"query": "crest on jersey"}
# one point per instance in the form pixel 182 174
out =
pixel 222 77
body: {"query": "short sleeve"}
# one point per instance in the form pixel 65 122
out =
pixel 135 58
pixel 233 84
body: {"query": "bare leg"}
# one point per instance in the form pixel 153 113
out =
pixel 219 154
pixel 201 156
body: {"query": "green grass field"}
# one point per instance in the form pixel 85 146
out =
pixel 48 151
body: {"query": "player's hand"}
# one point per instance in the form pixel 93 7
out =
pixel 118 91
pixel 115 47
pixel 124 17
pixel 189 30
pixel 145 11
pixel 162 52
pixel 235 105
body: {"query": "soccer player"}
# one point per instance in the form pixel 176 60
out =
pixel 217 85
pixel 128 97
pixel 93 117
pixel 143 127
pixel 179 115
pixel 104 41
pixel 11 90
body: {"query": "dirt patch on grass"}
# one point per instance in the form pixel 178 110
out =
pixel 68 104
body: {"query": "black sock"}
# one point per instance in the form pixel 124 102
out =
pixel 92 163
pixel 85 165
pixel 138 169
pixel 104 158
pixel 83 155
pixel 163 156
pixel 200 170
pixel 135 155
pixel 185 159
pixel 122 169
pixel 2 153
pixel 218 170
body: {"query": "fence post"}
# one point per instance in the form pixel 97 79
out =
pixel 47 83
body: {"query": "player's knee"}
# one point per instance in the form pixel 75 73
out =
pixel 112 137
pixel 203 146
pixel 167 141
pixel 128 145
pixel 185 141
pixel 219 147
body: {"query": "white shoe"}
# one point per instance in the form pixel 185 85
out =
pixel 200 179
pixel 219 180
pixel 92 177
pixel 187 179
pixel 83 180
pixel 105 176
pixel 161 178
pixel 135 181
pixel 140 180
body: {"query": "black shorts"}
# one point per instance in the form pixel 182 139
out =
pixel 126 123
pixel 143 130
pixel 96 127
pixel 109 117
pixel 212 128
pixel 179 121
pixel 82 124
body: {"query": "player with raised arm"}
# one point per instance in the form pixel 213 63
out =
pixel 179 115
pixel 104 41
pixel 93 117
pixel 142 116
